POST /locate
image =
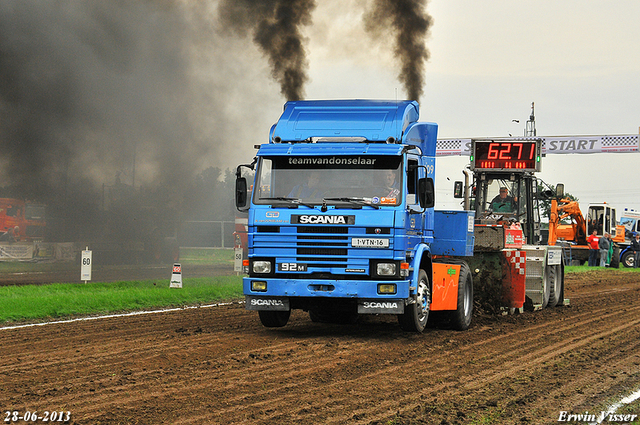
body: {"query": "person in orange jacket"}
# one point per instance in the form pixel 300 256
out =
pixel 594 249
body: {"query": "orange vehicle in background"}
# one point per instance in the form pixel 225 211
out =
pixel 600 217
pixel 27 216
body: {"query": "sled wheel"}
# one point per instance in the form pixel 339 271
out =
pixel 555 285
pixel 546 288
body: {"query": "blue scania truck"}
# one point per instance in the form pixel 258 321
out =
pixel 341 219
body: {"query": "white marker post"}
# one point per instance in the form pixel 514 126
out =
pixel 239 255
pixel 237 263
pixel 176 276
pixel 85 268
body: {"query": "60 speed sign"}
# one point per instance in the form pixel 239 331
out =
pixel 85 268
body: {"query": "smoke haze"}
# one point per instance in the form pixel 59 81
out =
pixel 151 92
pixel 155 90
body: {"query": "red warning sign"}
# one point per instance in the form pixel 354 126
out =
pixel 176 276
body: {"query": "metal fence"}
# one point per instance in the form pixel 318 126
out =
pixel 206 234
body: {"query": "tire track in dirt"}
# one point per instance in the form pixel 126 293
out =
pixel 302 383
pixel 541 356
pixel 223 367
pixel 515 367
pixel 373 375
pixel 542 353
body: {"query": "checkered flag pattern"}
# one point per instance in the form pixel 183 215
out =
pixel 553 145
pixel 518 258
pixel 451 147
pixel 620 141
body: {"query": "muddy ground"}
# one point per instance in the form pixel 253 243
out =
pixel 218 365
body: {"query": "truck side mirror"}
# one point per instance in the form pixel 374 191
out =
pixel 560 190
pixel 241 193
pixel 426 192
pixel 457 190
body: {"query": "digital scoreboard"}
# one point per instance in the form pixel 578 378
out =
pixel 501 155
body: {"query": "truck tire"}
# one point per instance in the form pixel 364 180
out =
pixel 461 317
pixel 627 259
pixel 555 285
pixel 615 258
pixel 416 315
pixel 274 319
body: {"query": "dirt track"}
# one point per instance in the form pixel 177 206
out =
pixel 219 365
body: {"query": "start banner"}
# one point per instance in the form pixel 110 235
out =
pixel 553 144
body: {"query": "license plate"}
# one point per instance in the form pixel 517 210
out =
pixel 292 267
pixel 369 243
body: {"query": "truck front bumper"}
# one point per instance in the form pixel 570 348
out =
pixel 369 289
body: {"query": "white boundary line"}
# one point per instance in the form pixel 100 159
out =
pixel 613 408
pixel 108 316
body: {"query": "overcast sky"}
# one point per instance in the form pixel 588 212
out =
pixel 579 61
pixel 176 87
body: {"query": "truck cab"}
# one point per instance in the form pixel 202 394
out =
pixel 29 217
pixel 341 219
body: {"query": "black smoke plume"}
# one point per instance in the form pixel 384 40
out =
pixel 410 25
pixel 276 27
pixel 90 89
pixel 96 93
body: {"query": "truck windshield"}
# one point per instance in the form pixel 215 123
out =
pixel 332 179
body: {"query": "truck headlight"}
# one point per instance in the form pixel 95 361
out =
pixel 386 269
pixel 262 267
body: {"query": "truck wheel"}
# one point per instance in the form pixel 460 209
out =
pixel 274 319
pixel 461 317
pixel 627 259
pixel 416 315
pixel 555 285
pixel 615 258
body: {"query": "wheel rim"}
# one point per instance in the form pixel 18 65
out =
pixel 423 300
pixel 628 260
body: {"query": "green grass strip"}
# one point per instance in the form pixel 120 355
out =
pixel 583 269
pixel 58 300
pixel 206 256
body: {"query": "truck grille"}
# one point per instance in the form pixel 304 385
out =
pixel 321 251
pixel 324 229
pixel 321 248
